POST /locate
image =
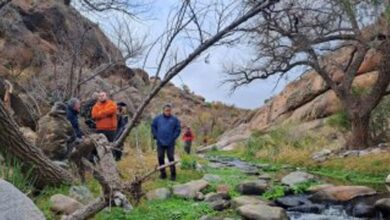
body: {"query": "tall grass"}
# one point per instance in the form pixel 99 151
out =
pixel 18 174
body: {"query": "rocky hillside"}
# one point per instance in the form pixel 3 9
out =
pixel 50 52
pixel 306 99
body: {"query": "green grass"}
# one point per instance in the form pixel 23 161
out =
pixel 43 200
pixel 18 175
pixel 171 209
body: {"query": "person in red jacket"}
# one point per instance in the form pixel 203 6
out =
pixel 188 137
pixel 104 115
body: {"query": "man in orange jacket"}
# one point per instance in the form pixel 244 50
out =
pixel 104 115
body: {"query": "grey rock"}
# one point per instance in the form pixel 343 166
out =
pixel 81 194
pixel 247 200
pixel 212 197
pixel 220 205
pixel 62 204
pixel 190 189
pixel 212 178
pixel 15 205
pixel 265 177
pixel 292 201
pixel 252 187
pixel 361 210
pixel 383 205
pixel 296 178
pixel 158 194
pixel 262 212
pixel 322 155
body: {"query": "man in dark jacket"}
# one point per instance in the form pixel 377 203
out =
pixel 165 130
pixel 123 120
pixel 72 111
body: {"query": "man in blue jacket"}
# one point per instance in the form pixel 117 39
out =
pixel 165 130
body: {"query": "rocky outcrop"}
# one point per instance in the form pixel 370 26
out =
pixel 306 99
pixel 46 46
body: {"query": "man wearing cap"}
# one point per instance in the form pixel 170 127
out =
pixel 166 129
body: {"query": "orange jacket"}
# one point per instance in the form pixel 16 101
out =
pixel 104 115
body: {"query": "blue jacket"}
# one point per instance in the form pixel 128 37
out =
pixel 72 116
pixel 166 130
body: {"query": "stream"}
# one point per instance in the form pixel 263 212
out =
pixel 310 210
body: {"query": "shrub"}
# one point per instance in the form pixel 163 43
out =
pixel 275 192
pixel 339 120
pixel 188 162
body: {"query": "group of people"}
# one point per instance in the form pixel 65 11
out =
pixel 59 132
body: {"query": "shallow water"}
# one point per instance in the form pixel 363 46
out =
pixel 330 212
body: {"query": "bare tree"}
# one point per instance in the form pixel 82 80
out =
pixel 188 14
pixel 306 33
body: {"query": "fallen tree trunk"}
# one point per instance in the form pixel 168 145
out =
pixel 114 189
pixel 12 141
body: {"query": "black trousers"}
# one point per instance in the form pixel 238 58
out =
pixel 170 152
pixel 187 147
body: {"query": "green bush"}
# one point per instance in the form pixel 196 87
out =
pixel 339 120
pixel 141 137
pixel 188 162
pixel 275 192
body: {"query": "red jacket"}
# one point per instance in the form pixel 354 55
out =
pixel 104 114
pixel 188 136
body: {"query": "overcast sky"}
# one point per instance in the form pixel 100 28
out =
pixel 201 77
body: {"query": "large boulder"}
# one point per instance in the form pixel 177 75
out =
pixel 247 200
pixel 341 193
pixel 190 189
pixel 262 212
pixel 252 187
pixel 296 178
pixel 15 205
pixel 159 194
pixel 62 204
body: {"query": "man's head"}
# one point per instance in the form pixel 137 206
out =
pixel 102 96
pixel 167 109
pixel 75 104
pixel 121 108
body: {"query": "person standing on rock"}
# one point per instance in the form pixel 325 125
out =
pixel 166 129
pixel 188 138
pixel 72 112
pixel 104 115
